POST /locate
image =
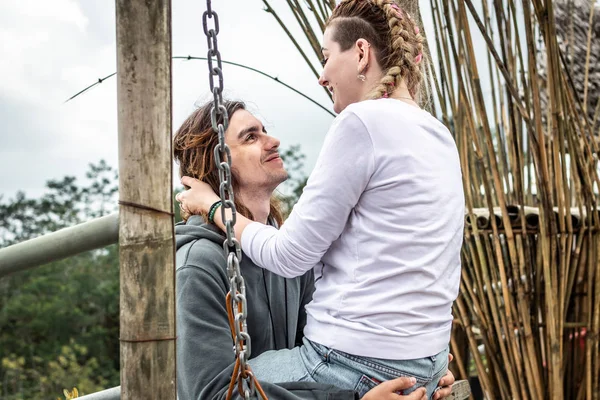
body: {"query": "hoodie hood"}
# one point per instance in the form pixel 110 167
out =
pixel 195 228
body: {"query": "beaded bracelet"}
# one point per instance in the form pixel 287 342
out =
pixel 213 210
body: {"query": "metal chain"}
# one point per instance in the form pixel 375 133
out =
pixel 231 246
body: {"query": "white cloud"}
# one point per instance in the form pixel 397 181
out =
pixel 61 12
pixel 47 56
pixel 51 50
pixel 34 37
pixel 67 45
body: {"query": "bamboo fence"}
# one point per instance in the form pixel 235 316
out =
pixel 528 312
pixel 530 282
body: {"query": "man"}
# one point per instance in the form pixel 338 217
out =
pixel 276 315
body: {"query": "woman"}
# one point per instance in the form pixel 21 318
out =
pixel 380 219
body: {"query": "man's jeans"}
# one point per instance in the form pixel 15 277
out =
pixel 313 362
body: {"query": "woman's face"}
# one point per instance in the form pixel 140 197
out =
pixel 340 72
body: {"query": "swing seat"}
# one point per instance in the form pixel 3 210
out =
pixel 461 390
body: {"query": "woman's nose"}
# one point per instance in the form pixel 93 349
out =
pixel 323 81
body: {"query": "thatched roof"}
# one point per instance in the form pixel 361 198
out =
pixel 572 24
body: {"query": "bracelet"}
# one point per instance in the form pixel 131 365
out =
pixel 213 210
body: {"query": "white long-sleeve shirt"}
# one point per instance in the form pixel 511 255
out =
pixel 381 221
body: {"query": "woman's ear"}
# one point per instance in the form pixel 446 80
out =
pixel 363 50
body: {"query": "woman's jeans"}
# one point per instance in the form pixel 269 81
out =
pixel 313 362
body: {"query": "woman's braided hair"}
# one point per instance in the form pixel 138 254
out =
pixel 392 33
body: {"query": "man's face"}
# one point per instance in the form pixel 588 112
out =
pixel 255 157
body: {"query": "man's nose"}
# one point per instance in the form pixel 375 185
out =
pixel 273 143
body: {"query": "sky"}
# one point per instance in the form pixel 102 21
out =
pixel 51 50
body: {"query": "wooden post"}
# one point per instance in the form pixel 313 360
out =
pixel 146 248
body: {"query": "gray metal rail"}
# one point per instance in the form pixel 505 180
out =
pixel 64 243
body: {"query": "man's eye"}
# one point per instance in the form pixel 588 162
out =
pixel 250 137
pixel 324 61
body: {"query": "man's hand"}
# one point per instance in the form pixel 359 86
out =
pixel 387 390
pixel 198 198
pixel 445 383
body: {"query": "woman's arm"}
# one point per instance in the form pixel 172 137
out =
pixel 339 178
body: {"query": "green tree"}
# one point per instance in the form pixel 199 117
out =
pixel 60 322
pixel 289 192
pixel 64 204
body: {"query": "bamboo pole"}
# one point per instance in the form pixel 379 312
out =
pixel 531 276
pixel 302 20
pixel 270 10
pixel 146 245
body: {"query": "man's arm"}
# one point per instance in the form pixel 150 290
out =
pixel 203 336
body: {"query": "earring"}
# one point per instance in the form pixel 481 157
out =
pixel 361 75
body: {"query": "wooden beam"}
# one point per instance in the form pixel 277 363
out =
pixel 146 249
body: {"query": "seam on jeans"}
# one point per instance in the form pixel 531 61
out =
pixel 433 359
pixel 442 368
pixel 444 365
pixel 303 378
pixel 317 348
pixel 364 385
pixel 314 370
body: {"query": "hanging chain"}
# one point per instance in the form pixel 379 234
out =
pixel 231 246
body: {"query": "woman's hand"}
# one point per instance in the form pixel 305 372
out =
pixel 198 198
pixel 387 390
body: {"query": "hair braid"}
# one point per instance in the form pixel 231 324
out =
pixel 406 45
pixel 399 52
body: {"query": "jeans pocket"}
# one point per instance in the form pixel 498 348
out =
pixel 364 385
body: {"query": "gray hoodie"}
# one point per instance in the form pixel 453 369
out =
pixel 276 318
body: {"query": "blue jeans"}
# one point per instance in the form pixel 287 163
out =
pixel 313 362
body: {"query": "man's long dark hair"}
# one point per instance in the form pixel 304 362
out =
pixel 193 149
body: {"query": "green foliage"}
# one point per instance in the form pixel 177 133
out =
pixel 72 366
pixel 64 204
pixel 60 322
pixel 176 209
pixel 289 192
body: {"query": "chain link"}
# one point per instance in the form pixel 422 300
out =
pixel 231 246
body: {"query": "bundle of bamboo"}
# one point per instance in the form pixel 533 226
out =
pixel 529 305
pixel 531 281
